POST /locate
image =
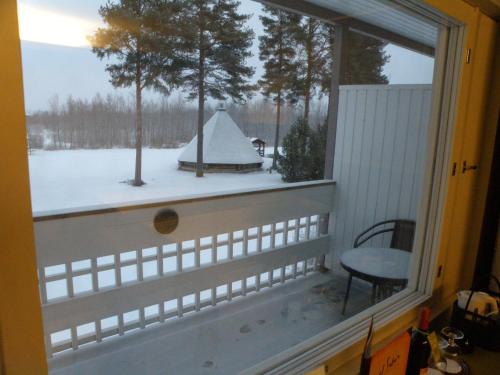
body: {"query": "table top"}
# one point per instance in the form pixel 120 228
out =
pixel 378 262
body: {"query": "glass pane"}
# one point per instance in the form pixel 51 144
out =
pixel 119 93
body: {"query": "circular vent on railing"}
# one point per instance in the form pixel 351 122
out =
pixel 166 221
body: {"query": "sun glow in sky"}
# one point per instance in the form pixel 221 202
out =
pixel 51 27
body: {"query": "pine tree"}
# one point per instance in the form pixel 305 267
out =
pixel 364 62
pixel 317 145
pixel 314 39
pixel 215 43
pixel 128 37
pixel 277 50
pixel 303 156
pixel 363 65
pixel 295 163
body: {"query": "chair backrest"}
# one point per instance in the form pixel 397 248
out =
pixel 403 233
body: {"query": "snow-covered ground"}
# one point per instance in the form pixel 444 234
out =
pixel 75 179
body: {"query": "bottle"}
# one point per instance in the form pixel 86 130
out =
pixel 420 350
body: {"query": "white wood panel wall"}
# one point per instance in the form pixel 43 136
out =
pixel 379 158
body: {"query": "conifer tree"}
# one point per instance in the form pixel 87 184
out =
pixel 215 44
pixel 128 38
pixel 363 65
pixel 364 62
pixel 304 148
pixel 295 163
pixel 303 156
pixel 314 41
pixel 277 50
pixel 317 144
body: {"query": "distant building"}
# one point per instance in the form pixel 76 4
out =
pixel 259 145
pixel 225 148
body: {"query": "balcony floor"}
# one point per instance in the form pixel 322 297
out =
pixel 225 339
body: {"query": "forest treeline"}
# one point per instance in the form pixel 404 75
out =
pixel 109 122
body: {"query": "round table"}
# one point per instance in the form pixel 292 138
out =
pixel 380 266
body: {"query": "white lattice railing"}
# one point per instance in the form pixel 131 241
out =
pixel 107 272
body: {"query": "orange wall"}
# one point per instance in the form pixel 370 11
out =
pixel 21 334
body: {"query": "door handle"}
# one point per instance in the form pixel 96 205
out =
pixel 466 167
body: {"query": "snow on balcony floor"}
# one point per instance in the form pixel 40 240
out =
pixel 225 339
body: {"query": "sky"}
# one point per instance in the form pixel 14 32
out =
pixel 57 59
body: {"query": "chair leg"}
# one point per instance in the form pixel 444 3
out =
pixel 347 293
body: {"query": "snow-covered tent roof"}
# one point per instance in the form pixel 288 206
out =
pixel 223 143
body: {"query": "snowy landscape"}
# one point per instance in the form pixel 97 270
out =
pixel 77 179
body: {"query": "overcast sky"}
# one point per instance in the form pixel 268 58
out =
pixel 56 62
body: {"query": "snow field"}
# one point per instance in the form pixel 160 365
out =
pixel 75 179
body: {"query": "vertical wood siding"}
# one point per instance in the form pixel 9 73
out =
pixel 379 158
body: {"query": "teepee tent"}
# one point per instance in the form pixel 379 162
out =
pixel 225 148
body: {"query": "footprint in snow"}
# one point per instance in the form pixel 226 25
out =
pixel 245 329
pixel 208 364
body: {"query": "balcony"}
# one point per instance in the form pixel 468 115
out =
pixel 215 276
pixel 238 280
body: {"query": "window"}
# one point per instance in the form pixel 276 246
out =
pixel 321 157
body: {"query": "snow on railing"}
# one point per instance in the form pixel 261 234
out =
pixel 225 247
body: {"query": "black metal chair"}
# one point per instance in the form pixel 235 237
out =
pixel 403 233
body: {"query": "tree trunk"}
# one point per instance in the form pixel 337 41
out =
pixel 201 104
pixel 307 85
pixel 138 127
pixel 278 108
pixel 277 135
pixel 199 145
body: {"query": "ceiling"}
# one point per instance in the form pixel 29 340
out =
pixel 387 15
